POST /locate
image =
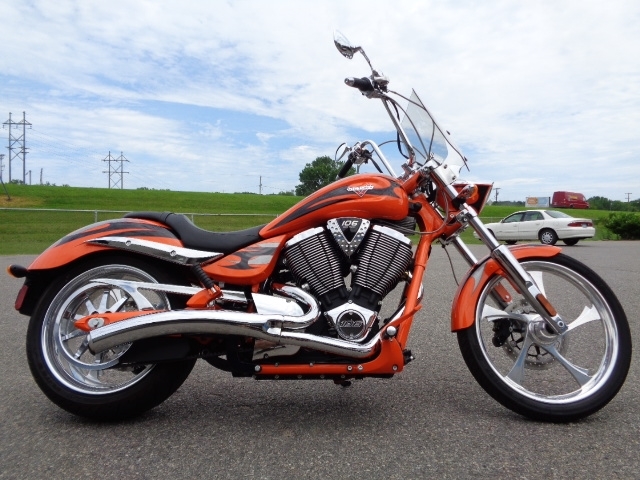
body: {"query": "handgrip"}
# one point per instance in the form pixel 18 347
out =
pixel 363 84
pixel 345 169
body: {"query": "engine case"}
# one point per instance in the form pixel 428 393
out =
pixel 321 258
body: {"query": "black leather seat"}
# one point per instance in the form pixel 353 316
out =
pixel 198 238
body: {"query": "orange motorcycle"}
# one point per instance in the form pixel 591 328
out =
pixel 122 309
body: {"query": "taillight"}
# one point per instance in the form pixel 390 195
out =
pixel 580 224
pixel 21 296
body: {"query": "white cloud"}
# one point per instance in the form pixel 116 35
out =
pixel 545 92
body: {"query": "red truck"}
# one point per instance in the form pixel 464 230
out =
pixel 569 200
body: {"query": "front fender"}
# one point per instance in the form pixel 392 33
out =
pixel 463 310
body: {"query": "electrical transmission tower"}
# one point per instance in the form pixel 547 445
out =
pixel 116 174
pixel 18 144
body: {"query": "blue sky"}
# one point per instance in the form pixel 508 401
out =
pixel 214 95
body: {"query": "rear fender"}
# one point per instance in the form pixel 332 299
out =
pixel 463 310
pixel 74 248
pixel 75 245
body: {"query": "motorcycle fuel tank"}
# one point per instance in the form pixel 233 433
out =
pixel 364 196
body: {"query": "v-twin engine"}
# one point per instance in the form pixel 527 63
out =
pixel 321 260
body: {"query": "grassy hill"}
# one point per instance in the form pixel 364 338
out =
pixel 26 231
pixel 36 196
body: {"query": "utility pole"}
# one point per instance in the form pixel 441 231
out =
pixel 40 176
pixel 16 141
pixel 108 159
pixel 496 190
pixel 116 173
pixel 628 197
pixel 260 186
pixel 2 181
pixel 121 159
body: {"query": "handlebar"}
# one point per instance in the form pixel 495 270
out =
pixel 360 154
pixel 363 84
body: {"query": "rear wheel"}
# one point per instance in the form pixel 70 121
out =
pixel 571 241
pixel 68 373
pixel 542 375
pixel 548 237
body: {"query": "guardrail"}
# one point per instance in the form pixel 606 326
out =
pixel 31 230
pixel 110 214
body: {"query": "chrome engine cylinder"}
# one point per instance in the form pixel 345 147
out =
pixel 383 258
pixel 378 263
pixel 313 259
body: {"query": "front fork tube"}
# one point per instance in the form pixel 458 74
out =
pixel 525 283
pixel 518 275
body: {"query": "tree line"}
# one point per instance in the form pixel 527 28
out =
pixel 595 203
pixel 323 170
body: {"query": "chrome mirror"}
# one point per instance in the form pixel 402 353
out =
pixel 344 45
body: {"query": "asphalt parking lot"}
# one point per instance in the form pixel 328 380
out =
pixel 431 421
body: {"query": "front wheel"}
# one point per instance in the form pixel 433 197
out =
pixel 95 386
pixel 541 375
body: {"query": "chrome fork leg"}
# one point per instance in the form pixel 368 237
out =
pixel 529 289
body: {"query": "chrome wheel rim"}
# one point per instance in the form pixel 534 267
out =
pixel 576 364
pixel 63 346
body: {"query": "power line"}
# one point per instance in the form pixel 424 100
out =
pixel 72 153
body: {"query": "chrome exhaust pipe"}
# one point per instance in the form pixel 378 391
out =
pixel 274 327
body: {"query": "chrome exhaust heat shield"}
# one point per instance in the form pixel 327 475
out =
pixel 272 326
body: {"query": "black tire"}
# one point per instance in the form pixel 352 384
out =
pixel 571 241
pixel 550 381
pixel 510 242
pixel 547 236
pixel 75 384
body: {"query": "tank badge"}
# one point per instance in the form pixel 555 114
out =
pixel 361 189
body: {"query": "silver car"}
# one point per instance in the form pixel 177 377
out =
pixel 548 226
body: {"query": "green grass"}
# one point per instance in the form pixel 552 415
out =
pixel 30 232
pixel 28 196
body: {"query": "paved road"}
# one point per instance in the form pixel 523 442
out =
pixel 432 421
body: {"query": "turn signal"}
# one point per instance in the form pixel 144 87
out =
pixel 468 193
pixel 17 271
